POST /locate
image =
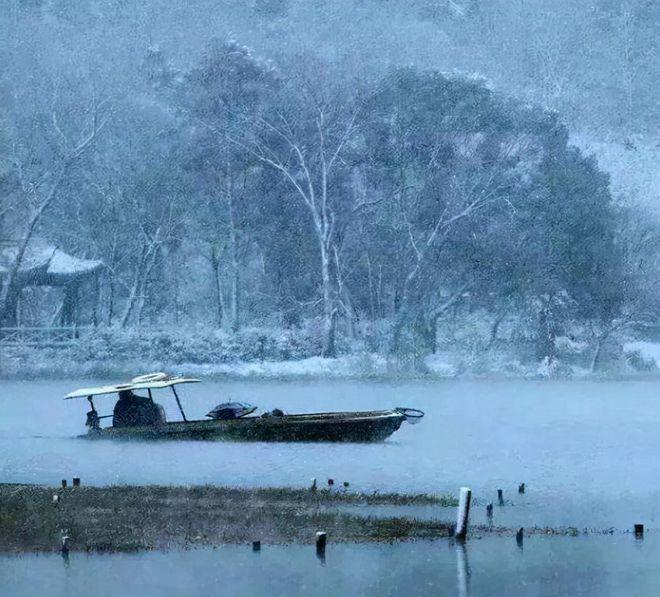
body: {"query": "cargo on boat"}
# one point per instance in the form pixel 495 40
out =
pixel 138 417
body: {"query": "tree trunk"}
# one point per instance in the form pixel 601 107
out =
pixel 328 348
pixel 96 298
pixel 135 288
pixel 494 329
pixel 545 342
pixel 10 309
pixel 110 280
pixel 150 263
pixel 111 298
pixel 220 301
pixel 235 272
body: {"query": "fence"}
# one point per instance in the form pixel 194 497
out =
pixel 40 336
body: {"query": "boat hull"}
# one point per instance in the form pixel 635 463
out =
pixel 370 426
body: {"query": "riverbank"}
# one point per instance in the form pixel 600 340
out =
pixel 271 353
pixel 641 360
pixel 132 518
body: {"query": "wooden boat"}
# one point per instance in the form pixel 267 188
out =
pixel 362 426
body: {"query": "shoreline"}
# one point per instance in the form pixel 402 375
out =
pixel 134 518
pixel 275 354
pixel 345 368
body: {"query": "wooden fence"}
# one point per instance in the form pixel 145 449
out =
pixel 40 336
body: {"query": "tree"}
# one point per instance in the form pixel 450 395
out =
pixel 304 136
pixel 39 180
pixel 216 97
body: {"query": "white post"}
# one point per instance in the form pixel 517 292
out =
pixel 464 499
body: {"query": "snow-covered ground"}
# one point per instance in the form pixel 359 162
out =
pixel 35 364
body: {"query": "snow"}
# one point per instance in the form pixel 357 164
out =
pixel 346 366
pixel 62 263
pixel 39 254
pixel 440 365
pixel 649 351
pixel 570 346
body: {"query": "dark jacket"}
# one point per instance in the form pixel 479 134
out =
pixel 132 410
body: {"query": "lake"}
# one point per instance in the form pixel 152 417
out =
pixel 588 452
pixel 592 565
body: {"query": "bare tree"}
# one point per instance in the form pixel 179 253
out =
pixel 306 145
pixel 38 190
pixel 465 195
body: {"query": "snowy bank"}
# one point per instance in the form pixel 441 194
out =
pixel 277 354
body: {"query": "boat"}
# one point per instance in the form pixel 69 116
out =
pixel 237 421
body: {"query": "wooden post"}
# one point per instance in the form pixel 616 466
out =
pixel 331 482
pixel 179 403
pixel 500 497
pixel 521 488
pixel 256 546
pixel 76 481
pixel 639 531
pixel 489 510
pixel 519 536
pixel 321 540
pixel 63 483
pixel 464 499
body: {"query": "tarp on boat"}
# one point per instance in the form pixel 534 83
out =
pixel 152 381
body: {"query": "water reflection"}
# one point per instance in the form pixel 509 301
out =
pixel 586 565
pixel 462 569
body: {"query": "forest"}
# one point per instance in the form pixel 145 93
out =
pixel 259 189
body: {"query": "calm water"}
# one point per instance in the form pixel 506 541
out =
pixel 589 452
pixel 591 565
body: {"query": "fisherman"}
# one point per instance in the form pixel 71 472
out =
pixel 132 410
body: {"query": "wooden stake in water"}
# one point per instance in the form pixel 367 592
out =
pixel 464 499
pixel 256 546
pixel 500 497
pixel 63 483
pixel 639 531
pixel 321 540
pixel 521 488
pixel 76 481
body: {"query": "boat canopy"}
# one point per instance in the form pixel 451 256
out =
pixel 152 381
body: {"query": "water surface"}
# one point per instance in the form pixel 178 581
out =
pixel 589 452
pixel 593 565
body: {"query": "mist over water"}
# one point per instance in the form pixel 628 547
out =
pixel 587 451
pixel 461 193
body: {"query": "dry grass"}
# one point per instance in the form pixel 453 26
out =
pixel 126 518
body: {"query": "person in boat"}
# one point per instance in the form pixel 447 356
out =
pixel 132 410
